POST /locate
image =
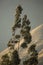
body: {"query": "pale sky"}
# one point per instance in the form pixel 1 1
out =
pixel 33 9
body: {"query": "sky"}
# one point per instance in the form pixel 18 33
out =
pixel 33 9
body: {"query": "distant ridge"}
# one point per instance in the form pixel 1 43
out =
pixel 40 26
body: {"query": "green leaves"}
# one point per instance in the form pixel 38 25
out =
pixel 18 12
pixel 32 47
pixel 17 36
pixel 5 56
pixel 27 22
pixel 19 8
pixel 24 45
pixel 15 58
pixel 33 60
pixel 5 60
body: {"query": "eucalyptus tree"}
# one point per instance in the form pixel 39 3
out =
pixel 24 25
